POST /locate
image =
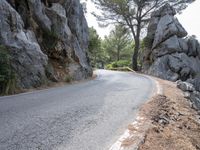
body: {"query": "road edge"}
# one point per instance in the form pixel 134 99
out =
pixel 118 145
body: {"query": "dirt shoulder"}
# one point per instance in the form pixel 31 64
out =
pixel 50 85
pixel 166 122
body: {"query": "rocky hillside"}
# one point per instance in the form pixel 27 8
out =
pixel 169 54
pixel 46 40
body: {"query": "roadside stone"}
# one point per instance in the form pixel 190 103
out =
pixel 196 83
pixel 187 95
pixel 185 86
pixel 195 98
pixel 185 73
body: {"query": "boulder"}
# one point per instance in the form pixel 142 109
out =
pixel 185 73
pixel 195 82
pixel 189 62
pixel 160 69
pixel 195 99
pixel 185 86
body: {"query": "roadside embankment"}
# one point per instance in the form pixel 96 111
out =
pixel 166 122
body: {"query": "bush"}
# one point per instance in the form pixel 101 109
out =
pixel 109 66
pixel 7 75
pixel 147 42
pixel 50 39
pixel 118 64
pixel 68 78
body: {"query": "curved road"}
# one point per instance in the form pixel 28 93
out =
pixel 84 116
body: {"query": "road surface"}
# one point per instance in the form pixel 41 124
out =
pixel 84 116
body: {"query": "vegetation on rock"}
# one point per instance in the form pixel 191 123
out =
pixel 7 76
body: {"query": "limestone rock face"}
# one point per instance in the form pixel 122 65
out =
pixel 170 55
pixel 167 26
pixel 28 60
pixel 47 40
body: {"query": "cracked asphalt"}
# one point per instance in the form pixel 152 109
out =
pixel 85 116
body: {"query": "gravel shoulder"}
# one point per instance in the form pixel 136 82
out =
pixel 166 122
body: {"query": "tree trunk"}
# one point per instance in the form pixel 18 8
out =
pixel 95 59
pixel 135 55
pixel 137 47
pixel 118 54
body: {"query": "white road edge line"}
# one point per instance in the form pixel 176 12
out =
pixel 126 135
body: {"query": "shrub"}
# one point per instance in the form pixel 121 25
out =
pixel 50 39
pixel 147 42
pixel 68 78
pixel 109 66
pixel 117 64
pixel 7 75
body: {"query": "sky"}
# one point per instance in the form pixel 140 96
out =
pixel 190 19
pixel 92 22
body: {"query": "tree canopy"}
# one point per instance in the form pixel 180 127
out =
pixel 94 48
pixel 117 46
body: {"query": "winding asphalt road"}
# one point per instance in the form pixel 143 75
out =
pixel 84 116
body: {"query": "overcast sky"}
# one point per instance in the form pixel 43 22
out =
pixel 190 19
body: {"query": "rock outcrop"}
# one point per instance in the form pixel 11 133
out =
pixel 46 39
pixel 190 93
pixel 169 54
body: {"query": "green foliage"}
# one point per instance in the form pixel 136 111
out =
pixel 96 53
pixel 115 47
pixel 117 44
pixel 109 66
pixel 118 64
pixel 50 39
pixel 147 43
pixel 7 76
pixel 68 79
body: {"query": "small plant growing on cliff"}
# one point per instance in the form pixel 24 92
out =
pixel 7 76
pixel 50 39
pixel 68 78
pixel 147 42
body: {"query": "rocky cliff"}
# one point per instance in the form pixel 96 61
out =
pixel 169 54
pixel 46 40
